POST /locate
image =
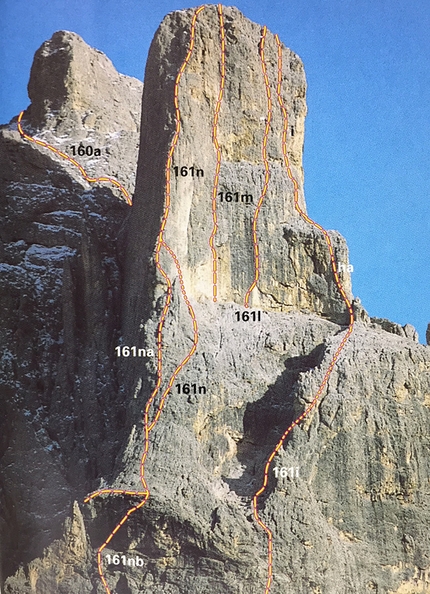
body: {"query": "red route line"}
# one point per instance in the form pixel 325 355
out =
pixel 148 426
pixel 218 154
pixel 85 175
pixel 339 349
pixel 160 241
pixel 266 168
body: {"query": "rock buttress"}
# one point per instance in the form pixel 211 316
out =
pixel 295 271
pixel 60 277
pixel 353 518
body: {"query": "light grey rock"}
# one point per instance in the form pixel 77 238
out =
pixel 407 330
pixel 78 98
pixel 354 517
pixel 295 270
pixel 60 276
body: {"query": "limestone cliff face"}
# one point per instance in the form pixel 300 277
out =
pixel 60 278
pixel 353 518
pixel 295 272
pixel 76 88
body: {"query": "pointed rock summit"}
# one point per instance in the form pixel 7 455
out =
pixel 78 98
pixel 74 85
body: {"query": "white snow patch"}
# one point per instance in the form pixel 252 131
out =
pixel 49 253
pixel 65 213
pixel 55 228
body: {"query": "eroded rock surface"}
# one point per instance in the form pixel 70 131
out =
pixel 60 278
pixel 79 99
pixel 354 517
pixel 295 271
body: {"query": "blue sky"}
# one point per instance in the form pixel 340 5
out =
pixel 367 157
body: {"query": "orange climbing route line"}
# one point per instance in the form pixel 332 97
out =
pixel 339 349
pixel 85 175
pixel 296 187
pixel 160 241
pixel 121 523
pixel 113 492
pixel 266 169
pixel 149 425
pixel 218 154
pixel 195 338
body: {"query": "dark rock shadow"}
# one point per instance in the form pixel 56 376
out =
pixel 264 423
pixel 122 586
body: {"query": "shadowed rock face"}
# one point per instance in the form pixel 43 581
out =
pixel 354 517
pixel 60 295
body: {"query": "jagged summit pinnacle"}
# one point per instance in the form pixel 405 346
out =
pixel 73 85
pixel 78 97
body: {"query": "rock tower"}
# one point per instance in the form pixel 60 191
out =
pixel 80 283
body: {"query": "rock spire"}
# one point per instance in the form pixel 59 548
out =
pixel 294 266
